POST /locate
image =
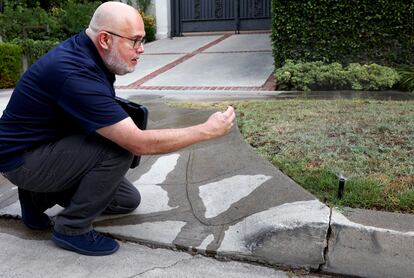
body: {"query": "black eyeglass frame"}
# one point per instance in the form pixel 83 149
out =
pixel 135 41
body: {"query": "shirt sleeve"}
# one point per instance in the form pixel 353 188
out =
pixel 90 101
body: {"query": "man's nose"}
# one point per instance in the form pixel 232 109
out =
pixel 140 49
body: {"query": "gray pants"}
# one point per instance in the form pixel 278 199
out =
pixel 84 174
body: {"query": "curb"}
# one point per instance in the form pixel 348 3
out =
pixel 367 251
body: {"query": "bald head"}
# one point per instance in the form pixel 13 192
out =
pixel 117 30
pixel 116 17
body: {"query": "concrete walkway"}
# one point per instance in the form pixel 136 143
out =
pixel 219 198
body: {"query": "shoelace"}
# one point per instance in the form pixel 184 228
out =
pixel 93 235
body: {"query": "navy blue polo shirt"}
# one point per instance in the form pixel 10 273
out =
pixel 68 91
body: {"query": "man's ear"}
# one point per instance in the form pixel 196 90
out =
pixel 104 40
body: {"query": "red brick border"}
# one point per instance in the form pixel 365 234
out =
pixel 201 88
pixel 269 85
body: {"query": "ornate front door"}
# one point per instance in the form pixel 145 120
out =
pixel 220 15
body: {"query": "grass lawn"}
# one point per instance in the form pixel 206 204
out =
pixel 369 142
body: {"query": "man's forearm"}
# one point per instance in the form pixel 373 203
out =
pixel 159 141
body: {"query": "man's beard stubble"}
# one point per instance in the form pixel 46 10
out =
pixel 115 64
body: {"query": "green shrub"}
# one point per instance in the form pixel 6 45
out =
pixel 18 21
pixel 45 4
pixel 371 77
pixel 407 78
pixel 321 76
pixel 49 4
pixel 64 19
pixel 10 64
pixel 74 16
pixel 150 27
pixel 33 50
pixel 364 31
pixel 144 5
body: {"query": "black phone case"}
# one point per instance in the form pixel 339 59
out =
pixel 139 114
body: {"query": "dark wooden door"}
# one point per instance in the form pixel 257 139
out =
pixel 220 15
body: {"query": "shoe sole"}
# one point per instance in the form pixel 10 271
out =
pixel 65 245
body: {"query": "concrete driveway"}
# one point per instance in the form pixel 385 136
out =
pixel 217 62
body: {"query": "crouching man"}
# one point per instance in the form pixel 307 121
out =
pixel 65 140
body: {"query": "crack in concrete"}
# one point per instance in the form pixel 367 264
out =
pixel 328 237
pixel 160 267
pixel 233 221
pixel 192 207
pixel 189 162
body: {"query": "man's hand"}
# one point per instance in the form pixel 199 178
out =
pixel 220 123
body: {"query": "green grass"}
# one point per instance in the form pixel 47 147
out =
pixel 369 142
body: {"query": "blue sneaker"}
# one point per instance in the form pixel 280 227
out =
pixel 91 243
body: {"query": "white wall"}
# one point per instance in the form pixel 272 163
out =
pixel 163 17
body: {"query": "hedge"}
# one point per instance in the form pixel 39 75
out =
pixel 364 31
pixel 33 50
pixel 150 27
pixel 320 76
pixel 19 21
pixel 58 23
pixel 10 64
pixel 73 17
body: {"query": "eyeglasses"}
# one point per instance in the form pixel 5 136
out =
pixel 136 42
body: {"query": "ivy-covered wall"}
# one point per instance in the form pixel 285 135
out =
pixel 364 31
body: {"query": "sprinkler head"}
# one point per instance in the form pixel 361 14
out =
pixel 341 187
